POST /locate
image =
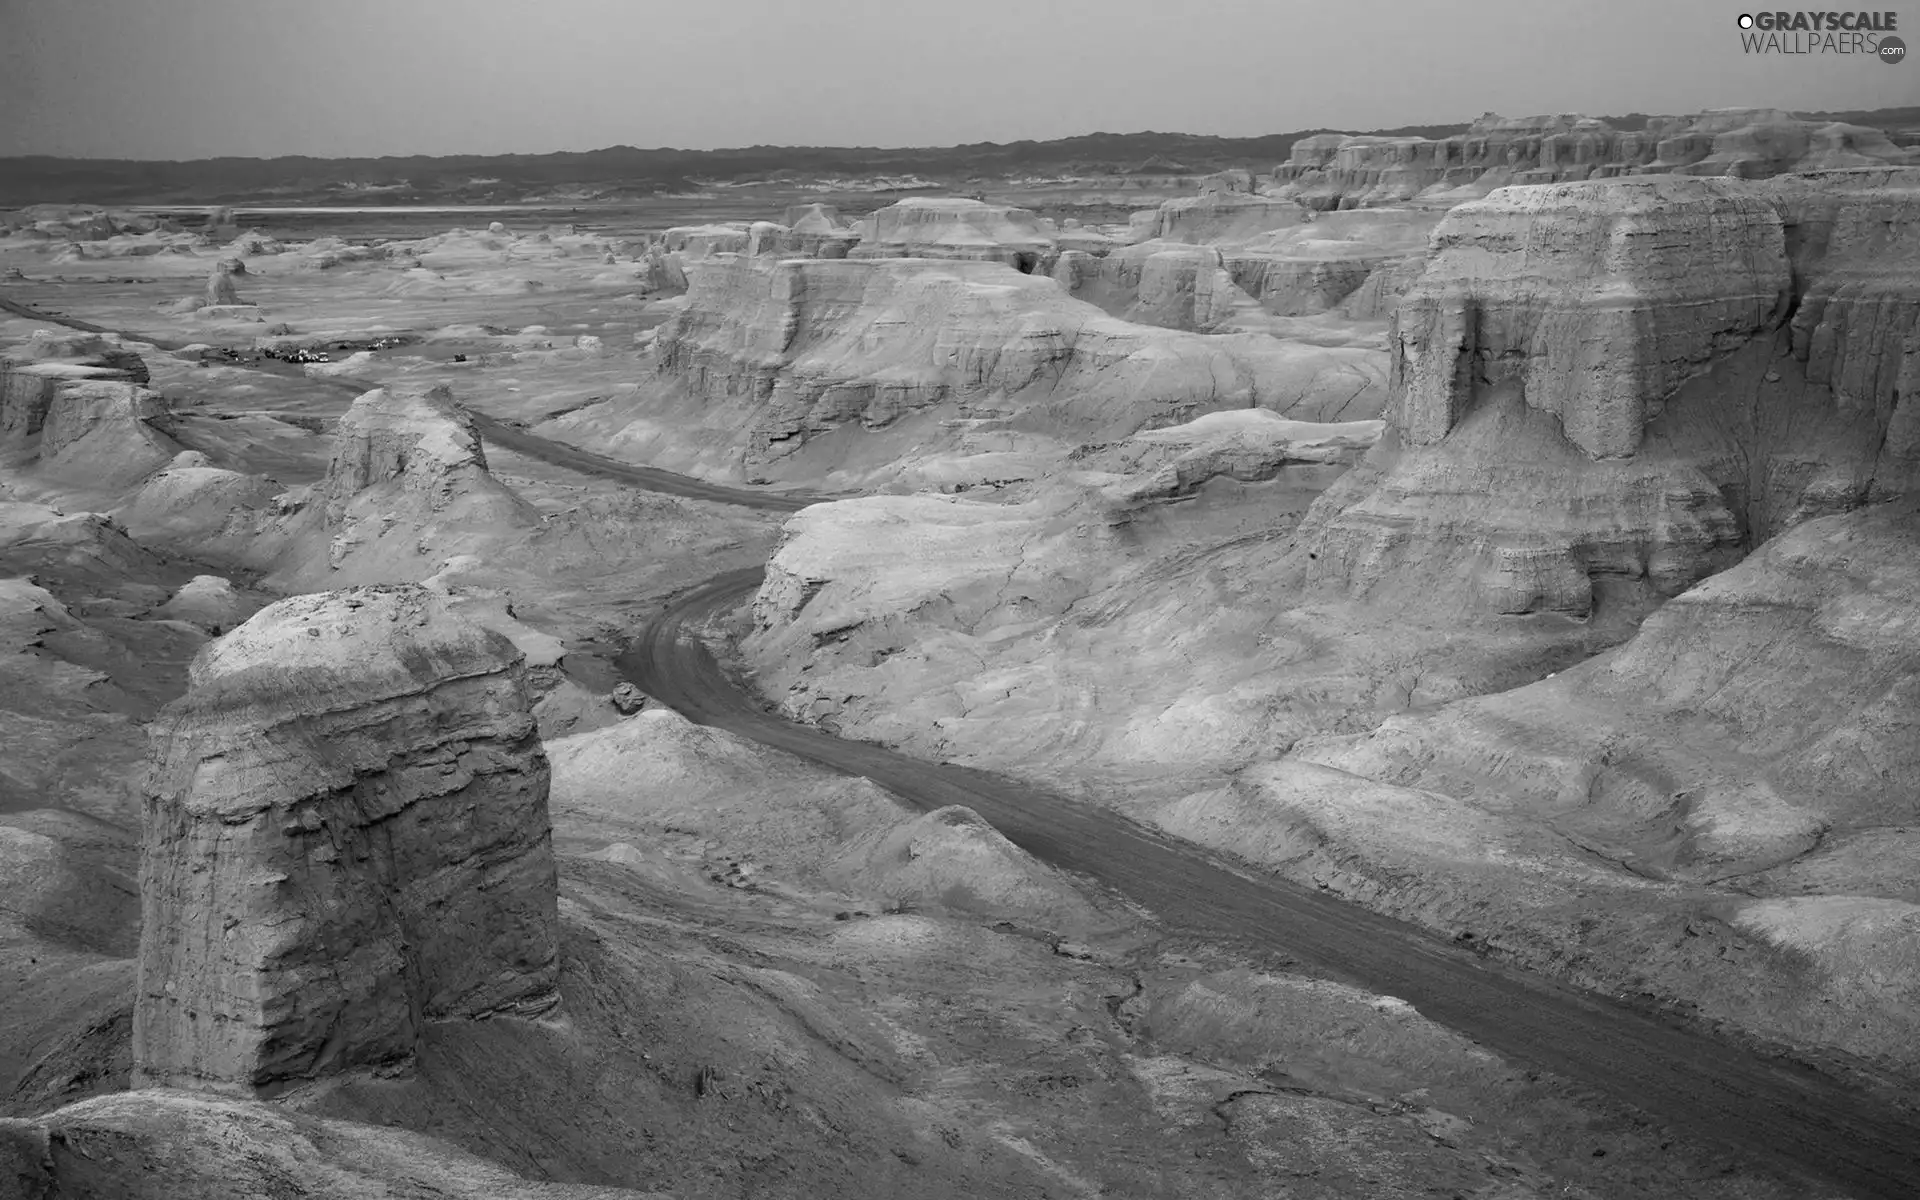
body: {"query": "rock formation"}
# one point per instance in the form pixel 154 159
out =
pixel 1336 171
pixel 790 351
pixel 1591 302
pixel 74 419
pixel 346 841
pixel 1229 260
pixel 925 227
pixel 221 290
pixel 408 460
pixel 1684 422
pixel 1529 502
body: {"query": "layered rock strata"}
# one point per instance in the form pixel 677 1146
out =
pixel 346 841
pixel 925 227
pixel 1330 171
pixel 791 350
pixel 1633 337
pixel 1593 302
pixel 409 458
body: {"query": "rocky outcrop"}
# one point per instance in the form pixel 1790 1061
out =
pixel 409 460
pixel 1854 240
pixel 1329 171
pixel 1229 259
pixel 792 350
pixel 1218 215
pixel 924 227
pixel 1594 302
pixel 1762 727
pixel 222 292
pixel 346 841
pixel 73 418
pixel 1602 382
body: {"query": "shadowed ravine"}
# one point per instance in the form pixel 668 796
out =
pixel 1765 1109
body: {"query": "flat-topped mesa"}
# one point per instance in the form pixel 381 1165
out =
pixel 1595 301
pixel 1328 171
pixel 1222 214
pixel 769 354
pixel 1594 391
pixel 346 840
pixel 694 242
pixel 816 231
pixel 924 227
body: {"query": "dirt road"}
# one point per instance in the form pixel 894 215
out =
pixel 1704 1087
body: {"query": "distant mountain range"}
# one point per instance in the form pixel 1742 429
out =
pixel 626 172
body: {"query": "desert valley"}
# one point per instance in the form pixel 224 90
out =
pixel 1393 672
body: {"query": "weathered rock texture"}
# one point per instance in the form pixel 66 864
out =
pixel 1337 171
pixel 346 840
pixel 407 463
pixel 773 358
pixel 161 1145
pixel 74 418
pixel 925 227
pixel 1597 386
pixel 1228 260
pixel 1593 301
pixel 1528 504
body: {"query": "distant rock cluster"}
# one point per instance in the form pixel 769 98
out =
pixel 1341 171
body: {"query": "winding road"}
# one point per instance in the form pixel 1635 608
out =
pixel 1765 1110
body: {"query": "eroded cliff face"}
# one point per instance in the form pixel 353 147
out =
pixel 74 418
pixel 1594 301
pixel 408 466
pixel 1627 385
pixel 1329 171
pixel 799 354
pixel 346 841
pixel 952 228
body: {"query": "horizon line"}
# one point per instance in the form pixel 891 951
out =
pixel 764 146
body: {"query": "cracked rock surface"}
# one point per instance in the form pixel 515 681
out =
pixel 346 841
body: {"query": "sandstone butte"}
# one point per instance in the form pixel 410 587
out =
pixel 346 840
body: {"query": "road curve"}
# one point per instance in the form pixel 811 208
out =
pixel 1766 1110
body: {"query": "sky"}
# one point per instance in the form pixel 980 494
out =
pixel 175 79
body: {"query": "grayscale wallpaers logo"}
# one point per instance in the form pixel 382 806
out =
pixel 1867 34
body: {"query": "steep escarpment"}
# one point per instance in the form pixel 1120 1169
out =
pixel 407 481
pixel 1334 171
pixel 346 841
pixel 809 367
pixel 75 420
pixel 1634 337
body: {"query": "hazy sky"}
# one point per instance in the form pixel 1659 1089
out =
pixel 198 78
